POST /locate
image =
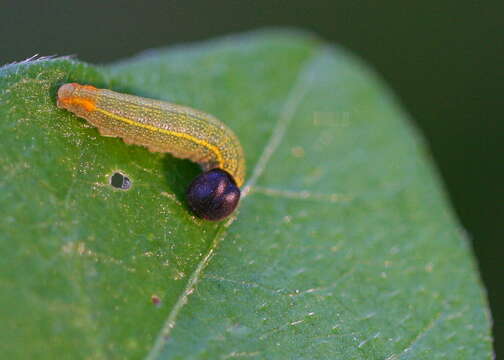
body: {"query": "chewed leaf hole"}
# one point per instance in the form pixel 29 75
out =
pixel 120 181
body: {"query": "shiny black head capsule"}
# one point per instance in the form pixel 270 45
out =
pixel 213 195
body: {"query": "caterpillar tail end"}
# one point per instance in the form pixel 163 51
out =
pixel 72 98
pixel 65 92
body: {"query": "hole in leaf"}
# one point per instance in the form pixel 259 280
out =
pixel 120 181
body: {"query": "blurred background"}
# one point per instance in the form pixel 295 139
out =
pixel 443 59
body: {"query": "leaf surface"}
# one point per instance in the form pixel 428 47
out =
pixel 344 245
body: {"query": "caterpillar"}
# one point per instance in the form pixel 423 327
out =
pixel 166 127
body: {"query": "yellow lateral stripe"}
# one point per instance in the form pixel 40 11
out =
pixel 203 143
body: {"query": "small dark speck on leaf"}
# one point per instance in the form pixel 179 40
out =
pixel 120 181
pixel 156 300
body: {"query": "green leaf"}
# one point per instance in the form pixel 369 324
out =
pixel 344 245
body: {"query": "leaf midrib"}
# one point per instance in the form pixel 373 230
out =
pixel 298 91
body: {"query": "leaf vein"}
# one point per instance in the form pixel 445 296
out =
pixel 301 195
pixel 433 323
pixel 294 98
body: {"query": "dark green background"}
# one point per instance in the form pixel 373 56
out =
pixel 443 59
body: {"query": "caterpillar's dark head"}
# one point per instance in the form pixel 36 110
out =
pixel 213 195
